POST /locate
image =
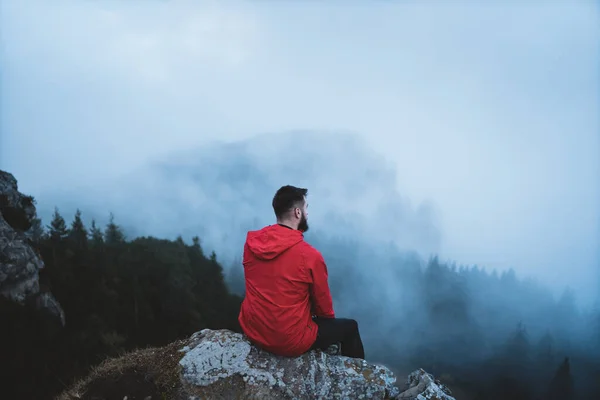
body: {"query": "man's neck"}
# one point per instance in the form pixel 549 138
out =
pixel 285 225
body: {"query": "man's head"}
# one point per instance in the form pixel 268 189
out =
pixel 290 206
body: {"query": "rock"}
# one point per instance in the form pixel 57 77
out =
pixel 217 361
pixel 45 301
pixel 20 263
pixel 220 364
pixel 423 386
pixel 17 209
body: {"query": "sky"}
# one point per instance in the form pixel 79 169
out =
pixel 489 112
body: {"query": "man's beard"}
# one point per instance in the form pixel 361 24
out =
pixel 303 224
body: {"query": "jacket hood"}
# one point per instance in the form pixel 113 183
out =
pixel 272 240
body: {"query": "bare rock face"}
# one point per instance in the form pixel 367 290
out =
pixel 17 209
pixel 20 263
pixel 220 364
pixel 226 363
pixel 423 386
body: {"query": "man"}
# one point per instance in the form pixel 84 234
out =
pixel 288 309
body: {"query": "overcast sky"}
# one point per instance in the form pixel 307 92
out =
pixel 488 111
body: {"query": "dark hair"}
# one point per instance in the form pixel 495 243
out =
pixel 286 198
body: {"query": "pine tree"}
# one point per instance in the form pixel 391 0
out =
pixel 518 346
pixel 197 245
pixel 545 350
pixel 78 233
pixel 516 358
pixel 544 358
pixel 561 387
pixel 36 232
pixel 96 234
pixel 113 233
pixel 235 277
pixel 58 227
pixel 596 332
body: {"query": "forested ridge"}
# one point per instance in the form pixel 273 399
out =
pixel 117 294
pixel 121 293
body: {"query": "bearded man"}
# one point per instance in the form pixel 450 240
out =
pixel 287 309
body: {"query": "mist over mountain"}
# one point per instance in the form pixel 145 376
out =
pixel 413 309
pixel 478 144
pixel 222 190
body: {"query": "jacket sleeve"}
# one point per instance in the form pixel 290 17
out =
pixel 322 305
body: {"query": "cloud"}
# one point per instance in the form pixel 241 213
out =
pixel 490 112
pixel 140 40
pixel 116 81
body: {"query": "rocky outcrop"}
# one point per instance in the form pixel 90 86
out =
pixel 215 361
pixel 20 263
pixel 224 365
pixel 423 386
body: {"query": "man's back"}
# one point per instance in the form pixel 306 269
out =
pixel 286 283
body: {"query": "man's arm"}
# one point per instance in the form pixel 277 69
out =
pixel 322 305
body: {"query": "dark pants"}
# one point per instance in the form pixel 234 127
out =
pixel 339 330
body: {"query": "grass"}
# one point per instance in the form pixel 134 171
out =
pixel 142 374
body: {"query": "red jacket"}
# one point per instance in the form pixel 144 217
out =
pixel 286 283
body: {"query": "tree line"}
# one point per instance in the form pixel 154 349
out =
pixel 493 335
pixel 490 333
pixel 117 295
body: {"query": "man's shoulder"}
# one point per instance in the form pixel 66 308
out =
pixel 309 250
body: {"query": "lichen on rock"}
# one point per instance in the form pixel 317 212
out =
pixel 220 364
pixel 20 263
pixel 214 356
pixel 423 386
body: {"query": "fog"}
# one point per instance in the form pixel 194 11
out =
pixel 467 132
pixel 488 113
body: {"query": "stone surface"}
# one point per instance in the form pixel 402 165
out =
pixel 423 386
pixel 220 364
pixel 222 358
pixel 46 302
pixel 17 209
pixel 20 263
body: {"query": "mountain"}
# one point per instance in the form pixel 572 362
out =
pixel 221 190
pixel 449 319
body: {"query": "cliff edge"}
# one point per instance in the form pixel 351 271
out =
pixel 20 262
pixel 220 364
